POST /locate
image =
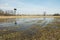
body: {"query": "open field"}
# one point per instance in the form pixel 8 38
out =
pixel 34 29
pixel 28 16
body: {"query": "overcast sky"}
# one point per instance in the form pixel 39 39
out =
pixel 31 6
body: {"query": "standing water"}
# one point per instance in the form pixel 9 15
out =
pixel 24 23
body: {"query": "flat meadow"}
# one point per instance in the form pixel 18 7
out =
pixel 30 29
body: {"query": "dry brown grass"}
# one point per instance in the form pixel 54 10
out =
pixel 29 16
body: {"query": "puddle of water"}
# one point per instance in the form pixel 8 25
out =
pixel 27 22
pixel 21 23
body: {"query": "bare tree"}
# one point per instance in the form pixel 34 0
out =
pixel 44 15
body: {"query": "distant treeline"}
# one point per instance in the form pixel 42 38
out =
pixel 6 13
pixel 11 13
pixel 56 14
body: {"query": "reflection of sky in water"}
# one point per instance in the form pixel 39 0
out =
pixel 27 22
pixel 28 19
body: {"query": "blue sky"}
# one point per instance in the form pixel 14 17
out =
pixel 31 6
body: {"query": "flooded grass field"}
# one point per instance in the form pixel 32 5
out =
pixel 30 29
